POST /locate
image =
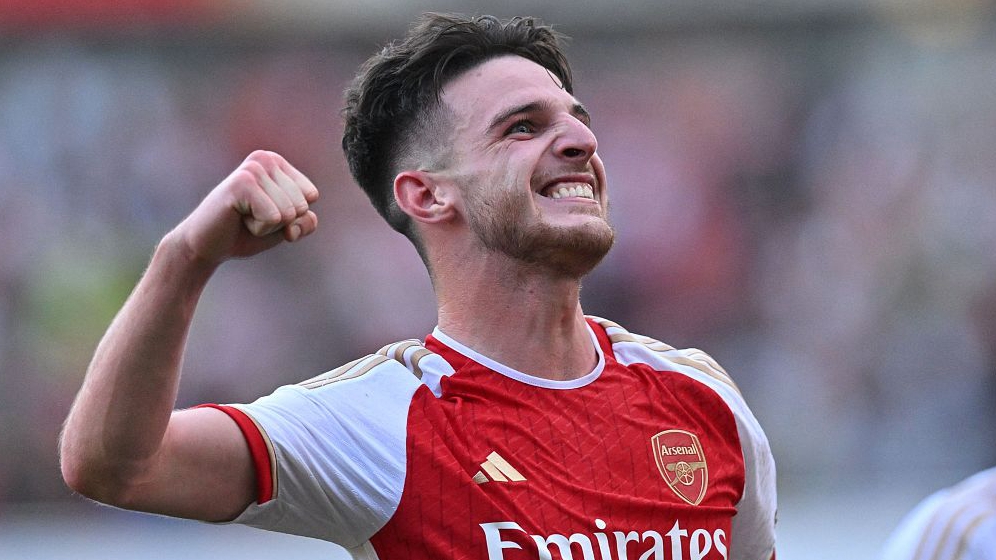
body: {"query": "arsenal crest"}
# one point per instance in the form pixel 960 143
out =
pixel 682 463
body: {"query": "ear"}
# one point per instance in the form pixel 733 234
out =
pixel 423 198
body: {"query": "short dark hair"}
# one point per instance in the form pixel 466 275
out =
pixel 397 91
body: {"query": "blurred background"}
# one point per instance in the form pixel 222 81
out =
pixel 806 190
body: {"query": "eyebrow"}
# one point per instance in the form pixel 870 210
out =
pixel 578 110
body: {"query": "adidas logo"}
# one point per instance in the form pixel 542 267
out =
pixel 496 468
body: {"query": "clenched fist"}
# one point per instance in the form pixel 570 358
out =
pixel 263 202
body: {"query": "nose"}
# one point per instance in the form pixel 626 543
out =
pixel 575 141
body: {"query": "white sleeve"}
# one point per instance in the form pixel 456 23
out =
pixel 753 531
pixel 338 447
pixel 982 541
pixel 958 522
pixel 904 541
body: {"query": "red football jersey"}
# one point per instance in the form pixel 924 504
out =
pixel 435 451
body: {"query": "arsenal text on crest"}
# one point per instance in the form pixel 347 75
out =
pixel 682 463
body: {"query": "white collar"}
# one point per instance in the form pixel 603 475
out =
pixel 525 377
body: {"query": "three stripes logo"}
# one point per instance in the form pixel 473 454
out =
pixel 497 469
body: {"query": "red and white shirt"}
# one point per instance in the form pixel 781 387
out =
pixel 431 451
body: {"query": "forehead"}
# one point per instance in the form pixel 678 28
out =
pixel 486 90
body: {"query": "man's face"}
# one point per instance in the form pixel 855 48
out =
pixel 524 158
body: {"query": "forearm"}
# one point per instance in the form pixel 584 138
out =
pixel 118 420
pixel 122 444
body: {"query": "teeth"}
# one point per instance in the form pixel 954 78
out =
pixel 577 191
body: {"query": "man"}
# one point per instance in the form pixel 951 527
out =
pixel 520 428
pixel 955 523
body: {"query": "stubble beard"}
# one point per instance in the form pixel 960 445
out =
pixel 503 224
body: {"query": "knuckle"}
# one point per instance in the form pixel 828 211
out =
pixel 272 216
pixel 255 167
pixel 243 174
pixel 261 225
pixel 242 177
pixel 267 159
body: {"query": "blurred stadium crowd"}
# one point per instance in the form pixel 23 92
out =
pixel 814 205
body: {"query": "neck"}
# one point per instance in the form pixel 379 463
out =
pixel 521 316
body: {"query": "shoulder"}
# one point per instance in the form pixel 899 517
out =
pixel 754 524
pixel 367 386
pixel 333 447
pixel 423 364
pixel 630 348
pixel 955 522
pixel 407 363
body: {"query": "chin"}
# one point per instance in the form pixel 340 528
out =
pixel 574 252
pixel 570 250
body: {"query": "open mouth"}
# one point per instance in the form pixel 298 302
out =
pixel 579 190
pixel 570 186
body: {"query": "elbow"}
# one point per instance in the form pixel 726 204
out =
pixel 82 477
pixel 70 464
pixel 98 484
pixel 97 480
pixel 75 475
pixel 73 462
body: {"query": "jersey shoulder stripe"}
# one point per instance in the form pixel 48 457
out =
pixel 407 352
pixel 325 493
pixel 425 365
pixel 411 354
pixel 352 370
pixel 956 515
pixel 691 357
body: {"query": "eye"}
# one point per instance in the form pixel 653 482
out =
pixel 521 127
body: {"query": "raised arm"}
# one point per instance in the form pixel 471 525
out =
pixel 123 444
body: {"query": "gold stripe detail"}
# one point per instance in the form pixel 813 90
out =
pixel 399 352
pixel 945 534
pixel 966 535
pixel 703 357
pixel 701 361
pixel 654 345
pixel 948 529
pixel 349 371
pixel 706 370
pixel 506 469
pixel 921 548
pixel 416 358
pixel 334 373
